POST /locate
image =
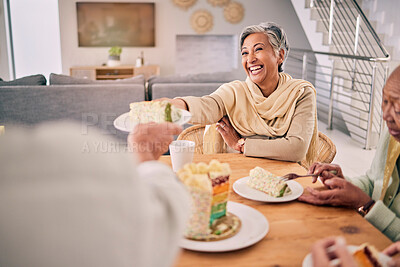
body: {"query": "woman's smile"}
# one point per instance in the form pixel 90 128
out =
pixel 254 70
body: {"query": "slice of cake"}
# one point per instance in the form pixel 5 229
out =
pixel 199 186
pixel 209 188
pixel 366 256
pixel 154 111
pixel 266 182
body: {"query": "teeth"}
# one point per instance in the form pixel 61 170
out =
pixel 255 68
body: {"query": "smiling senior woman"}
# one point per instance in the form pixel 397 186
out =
pixel 270 114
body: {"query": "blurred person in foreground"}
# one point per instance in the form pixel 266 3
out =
pixel 376 195
pixel 325 250
pixel 65 203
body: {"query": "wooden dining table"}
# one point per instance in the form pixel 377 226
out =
pixel 293 226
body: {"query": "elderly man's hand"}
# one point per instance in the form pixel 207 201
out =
pixel 339 193
pixel 149 141
pixel 325 171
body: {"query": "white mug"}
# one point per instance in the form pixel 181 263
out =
pixel 181 152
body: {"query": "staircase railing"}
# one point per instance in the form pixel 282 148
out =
pixel 350 77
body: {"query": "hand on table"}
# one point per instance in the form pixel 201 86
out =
pixel 339 192
pixel 328 249
pixel 391 251
pixel 179 103
pixel 324 171
pixel 150 140
pixel 228 133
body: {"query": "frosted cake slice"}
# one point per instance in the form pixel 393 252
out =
pixel 154 111
pixel 208 185
pixel 268 183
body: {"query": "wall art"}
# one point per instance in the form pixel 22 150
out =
pixel 184 4
pixel 202 21
pixel 234 12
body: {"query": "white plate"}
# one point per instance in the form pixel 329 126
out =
pixel 242 189
pixel 383 259
pixel 124 123
pixel 254 227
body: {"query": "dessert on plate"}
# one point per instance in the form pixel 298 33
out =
pixel 154 111
pixel 367 256
pixel 268 183
pixel 208 185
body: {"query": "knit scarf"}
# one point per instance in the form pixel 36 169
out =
pixel 251 113
pixel 391 158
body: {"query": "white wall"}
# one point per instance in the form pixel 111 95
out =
pixel 385 14
pixel 171 21
pixel 36 37
pixel 201 53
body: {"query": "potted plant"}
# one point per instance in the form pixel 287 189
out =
pixel 114 54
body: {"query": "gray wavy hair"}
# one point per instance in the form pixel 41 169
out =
pixel 276 36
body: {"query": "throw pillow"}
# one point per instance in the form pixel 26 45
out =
pixel 37 79
pixel 65 79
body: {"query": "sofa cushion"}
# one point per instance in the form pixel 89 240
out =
pixel 201 78
pixel 65 79
pixel 172 90
pixel 195 78
pixel 37 79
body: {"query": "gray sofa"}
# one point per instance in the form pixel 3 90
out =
pixel 92 104
pixel 29 101
pixel 187 85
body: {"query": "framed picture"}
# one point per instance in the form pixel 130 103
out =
pixel 115 24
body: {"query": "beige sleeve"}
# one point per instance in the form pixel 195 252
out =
pixel 293 146
pixel 206 109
